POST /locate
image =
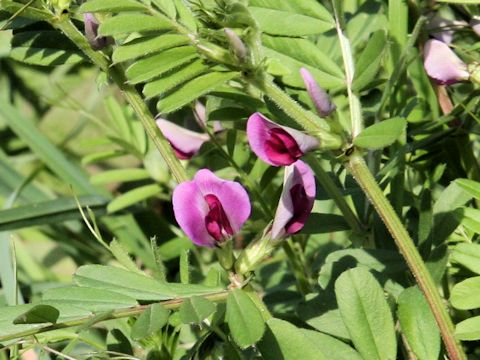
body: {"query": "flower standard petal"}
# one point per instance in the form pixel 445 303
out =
pixel 296 201
pixel 319 97
pixel 275 144
pixel 185 143
pixel 231 195
pixel 190 209
pixel 442 65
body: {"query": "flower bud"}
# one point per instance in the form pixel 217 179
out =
pixel 320 98
pixel 91 33
pixel 238 47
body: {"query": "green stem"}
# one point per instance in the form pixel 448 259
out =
pixel 363 176
pixel 173 304
pixel 349 65
pixel 335 194
pixel 303 284
pixel 131 94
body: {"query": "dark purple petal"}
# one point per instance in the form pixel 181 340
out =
pixel 216 221
pixel 232 196
pixel 190 210
pixel 184 142
pixel 275 144
pixel 319 97
pixel 209 209
pixel 442 65
pixel 296 201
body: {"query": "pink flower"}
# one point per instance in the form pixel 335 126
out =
pixel 210 210
pixel 320 98
pixel 91 33
pixel 275 144
pixel 185 143
pixel 442 65
pixel 296 201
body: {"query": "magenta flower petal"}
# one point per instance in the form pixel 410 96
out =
pixel 275 144
pixel 190 210
pixel 296 201
pixel 210 210
pixel 320 98
pixel 232 196
pixel 442 65
pixel 91 33
pixel 184 142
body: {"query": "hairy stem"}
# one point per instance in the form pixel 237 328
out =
pixel 363 176
pixel 173 304
pixel 131 94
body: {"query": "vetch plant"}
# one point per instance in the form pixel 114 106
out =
pixel 329 178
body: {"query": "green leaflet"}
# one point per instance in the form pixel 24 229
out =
pixel 150 321
pixel 369 62
pixel 95 300
pixel 466 294
pixel 278 22
pixel 196 309
pixel 244 319
pixel 155 65
pixel 133 197
pixel 128 23
pixel 147 45
pixel 418 324
pixel 381 134
pixel 174 78
pixel 134 285
pixel 111 6
pixel 47 212
pixel 192 90
pixel 366 314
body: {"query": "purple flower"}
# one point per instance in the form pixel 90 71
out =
pixel 275 144
pixel 185 143
pixel 442 65
pixel 296 201
pixel 320 98
pixel 91 33
pixel 210 210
